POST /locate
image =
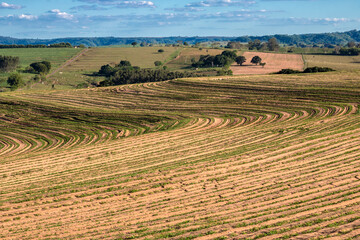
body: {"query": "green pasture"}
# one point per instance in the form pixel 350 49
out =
pixel 56 56
pixel 333 61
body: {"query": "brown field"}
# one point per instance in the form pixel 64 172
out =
pixel 241 157
pixel 274 63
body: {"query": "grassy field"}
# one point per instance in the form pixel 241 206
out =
pixel 57 57
pixel 244 157
pixel 142 57
pixel 336 62
pixel 183 61
pixel 77 72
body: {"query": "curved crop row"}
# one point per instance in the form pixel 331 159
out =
pixel 270 157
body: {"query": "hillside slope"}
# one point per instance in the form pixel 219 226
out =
pixel 315 38
pixel 252 157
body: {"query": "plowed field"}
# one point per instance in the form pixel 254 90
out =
pixel 274 63
pixel 244 157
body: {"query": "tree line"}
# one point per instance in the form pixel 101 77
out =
pixel 225 59
pixel 54 45
pixel 125 73
pixel 271 45
pixel 307 70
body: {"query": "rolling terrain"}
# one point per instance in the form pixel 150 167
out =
pixel 241 157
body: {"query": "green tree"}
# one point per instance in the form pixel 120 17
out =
pixel 240 60
pixel 272 44
pixel 8 63
pixel 15 81
pixel 39 67
pixel 230 54
pixel 256 60
pixel 134 44
pixel 106 70
pixel 256 44
pixel 124 63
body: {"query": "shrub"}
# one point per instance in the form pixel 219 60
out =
pixel 124 63
pixel 318 69
pixel 307 70
pixel 161 50
pixel 15 81
pixel 39 67
pixel 288 71
pixel 158 63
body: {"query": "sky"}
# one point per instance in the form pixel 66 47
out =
pixel 164 18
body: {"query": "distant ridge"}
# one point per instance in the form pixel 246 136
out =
pixel 316 38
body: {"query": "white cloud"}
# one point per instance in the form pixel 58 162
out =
pixel 221 3
pixel 308 21
pixel 27 17
pixel 135 4
pixel 63 15
pixel 122 4
pixel 9 6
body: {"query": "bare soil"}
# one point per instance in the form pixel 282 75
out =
pixel 274 63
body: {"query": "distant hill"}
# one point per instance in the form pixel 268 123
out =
pixel 321 38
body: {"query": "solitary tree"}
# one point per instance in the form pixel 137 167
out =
pixel 134 44
pixel 256 60
pixel 15 81
pixel 240 60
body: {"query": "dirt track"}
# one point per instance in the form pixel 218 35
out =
pixel 274 62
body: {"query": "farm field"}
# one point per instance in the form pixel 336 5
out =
pixel 57 57
pixel 347 63
pixel 274 63
pixel 76 73
pixel 183 61
pixel 241 157
pixel 142 57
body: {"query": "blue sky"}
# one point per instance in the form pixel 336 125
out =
pixel 156 18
